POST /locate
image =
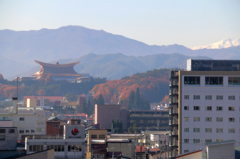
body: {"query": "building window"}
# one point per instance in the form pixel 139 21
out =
pixel 231 108
pixel 77 122
pixel 32 131
pixel 219 108
pixel 191 80
pixel 11 131
pixel 208 141
pixel 231 97
pixel 219 119
pixel 208 108
pixel 208 119
pixel 101 136
pixel 21 119
pixel 219 130
pixel 55 126
pixel 196 118
pixel 186 141
pixel 186 129
pixel 208 97
pixel 2 131
pixel 196 140
pixel 208 130
pixel 186 151
pixel 233 80
pixel 231 119
pixel 196 129
pixel 196 108
pixel 186 118
pixel 21 131
pixel 60 148
pixel 186 107
pixel 214 80
pixel 196 97
pixel 94 136
pixel 27 131
pixel 231 130
pixel 186 96
pixel 219 97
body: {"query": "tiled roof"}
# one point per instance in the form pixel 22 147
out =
pixel 51 98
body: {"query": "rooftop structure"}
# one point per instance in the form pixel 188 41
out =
pixel 57 71
pixel 213 65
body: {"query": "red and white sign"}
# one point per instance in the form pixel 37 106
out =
pixel 75 131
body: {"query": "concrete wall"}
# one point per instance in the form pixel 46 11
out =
pixel 49 154
pixel 221 151
pixel 127 149
pixel 31 102
pixel 105 113
pixel 10 141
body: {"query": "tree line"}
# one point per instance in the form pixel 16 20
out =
pixel 136 101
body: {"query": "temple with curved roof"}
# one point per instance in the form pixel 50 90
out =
pixel 58 71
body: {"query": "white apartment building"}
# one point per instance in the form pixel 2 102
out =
pixel 204 105
pixel 29 121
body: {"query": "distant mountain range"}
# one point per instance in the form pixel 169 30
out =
pixel 225 43
pixel 19 49
pixel 116 66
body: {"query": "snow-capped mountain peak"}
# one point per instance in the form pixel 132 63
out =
pixel 225 43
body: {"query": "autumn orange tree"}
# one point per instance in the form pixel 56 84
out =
pixel 153 85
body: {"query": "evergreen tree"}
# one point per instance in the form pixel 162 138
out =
pixel 100 100
pixel 113 124
pixel 146 105
pixel 141 102
pixel 117 127
pixel 131 100
pixel 135 128
pixel 84 109
pixel 120 127
pixel 137 98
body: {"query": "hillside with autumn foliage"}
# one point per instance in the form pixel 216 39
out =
pixel 153 86
pixel 45 87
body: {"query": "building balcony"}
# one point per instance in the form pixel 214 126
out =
pixel 173 91
pixel 173 153
pixel 173 122
pixel 173 100
pixel 173 74
pixel 173 111
pixel 174 133
pixel 173 144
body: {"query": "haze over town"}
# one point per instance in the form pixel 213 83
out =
pixel 119 79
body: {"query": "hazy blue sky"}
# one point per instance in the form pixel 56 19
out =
pixel 155 22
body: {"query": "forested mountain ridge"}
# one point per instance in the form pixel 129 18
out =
pixel 153 86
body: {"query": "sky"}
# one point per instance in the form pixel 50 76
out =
pixel 154 22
